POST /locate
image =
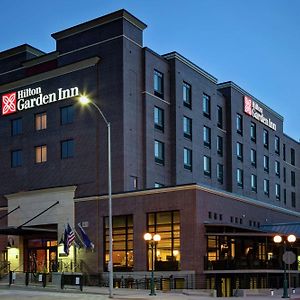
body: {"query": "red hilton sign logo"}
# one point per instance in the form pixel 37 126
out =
pixel 9 103
pixel 248 105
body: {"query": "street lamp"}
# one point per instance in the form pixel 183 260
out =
pixel 152 240
pixel 85 100
pixel 278 239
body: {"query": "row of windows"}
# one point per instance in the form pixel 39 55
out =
pixel 67 151
pixel 40 120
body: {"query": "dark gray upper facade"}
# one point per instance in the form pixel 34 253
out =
pixel 105 58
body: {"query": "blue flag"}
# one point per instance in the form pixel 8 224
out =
pixel 86 240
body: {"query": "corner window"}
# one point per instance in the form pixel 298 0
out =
pixel 206 136
pixel 158 118
pixel 40 154
pixel 67 149
pixel 277 144
pixel 239 124
pixel 253 131
pixel 187 159
pixel 187 127
pixel 16 158
pixel 207 165
pixel 67 114
pixel 41 121
pixel 206 105
pixel 158 84
pixel 16 127
pixel 266 187
pixel 239 151
pixel 239 177
pixel 187 95
pixel 219 117
pixel 159 152
pixel 266 138
pixel 253 183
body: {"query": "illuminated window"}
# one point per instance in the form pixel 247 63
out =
pixel 40 154
pixel 41 121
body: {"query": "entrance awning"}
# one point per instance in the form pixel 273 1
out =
pixel 283 228
pixel 25 230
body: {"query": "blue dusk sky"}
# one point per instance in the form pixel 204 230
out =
pixel 255 43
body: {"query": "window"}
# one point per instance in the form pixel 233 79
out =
pixel 266 138
pixel 220 145
pixel 220 173
pixel 277 144
pixel 167 225
pixel 239 151
pixel 284 157
pixel 292 156
pixel 206 105
pixel 67 114
pixel 266 163
pixel 187 127
pixel 187 159
pixel 239 177
pixel 293 199
pixel 284 196
pixel 293 178
pixel 187 95
pixel 134 182
pixel 253 183
pixel 239 124
pixel 67 149
pixel 209 215
pixel 41 121
pixel 253 131
pixel 159 152
pixel 284 174
pixel 253 157
pixel 219 116
pixel 158 118
pixel 277 191
pixel 277 168
pixel 16 158
pixel 207 165
pixel 206 136
pixel 158 84
pixel 158 185
pixel 40 154
pixel 123 242
pixel 16 127
pixel 266 187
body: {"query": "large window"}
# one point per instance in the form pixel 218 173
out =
pixel 16 126
pixel 123 242
pixel 239 151
pixel 167 251
pixel 206 136
pixel 187 127
pixel 159 118
pixel 67 149
pixel 219 116
pixel 187 94
pixel 207 165
pixel 41 121
pixel 159 152
pixel 40 154
pixel 266 138
pixel 253 157
pixel 187 159
pixel 158 84
pixel 67 114
pixel 253 131
pixel 239 124
pixel 239 177
pixel 266 187
pixel 16 158
pixel 206 105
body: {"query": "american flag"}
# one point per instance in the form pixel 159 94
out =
pixel 69 238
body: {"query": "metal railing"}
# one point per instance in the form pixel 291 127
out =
pixel 4 268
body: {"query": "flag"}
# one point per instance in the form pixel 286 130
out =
pixel 86 240
pixel 69 238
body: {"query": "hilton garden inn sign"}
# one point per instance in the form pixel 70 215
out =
pixel 33 97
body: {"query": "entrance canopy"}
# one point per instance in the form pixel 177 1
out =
pixel 283 228
pixel 25 230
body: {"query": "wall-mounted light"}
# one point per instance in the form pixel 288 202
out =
pixel 10 243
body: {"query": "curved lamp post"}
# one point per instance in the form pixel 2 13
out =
pixel 152 240
pixel 278 239
pixel 84 101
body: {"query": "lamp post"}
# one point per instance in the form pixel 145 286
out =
pixel 85 100
pixel 152 241
pixel 278 239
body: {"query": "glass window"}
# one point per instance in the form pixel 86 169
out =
pixel 220 145
pixel 277 168
pixel 67 149
pixel 239 124
pixel 187 127
pixel 253 131
pixel 284 152
pixel 219 116
pixel 293 178
pixel 187 158
pixel 167 251
pixel 40 154
pixel 159 152
pixel 206 136
pixel 16 127
pixel 220 173
pixel 277 144
pixel 266 163
pixel 239 151
pixel 41 121
pixel 292 156
pixel 158 118
pixel 253 183
pixel 67 114
pixel 253 157
pixel 266 187
pixel 207 165
pixel 206 105
pixel 277 191
pixel 293 199
pixel 158 84
pixel 239 177
pixel 266 138
pixel 284 196
pixel 284 174
pixel 123 255
pixel 16 158
pixel 158 185
pixel 187 95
